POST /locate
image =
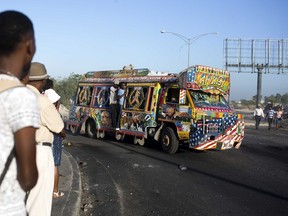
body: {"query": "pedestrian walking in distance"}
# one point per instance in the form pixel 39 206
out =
pixel 270 117
pixel 258 115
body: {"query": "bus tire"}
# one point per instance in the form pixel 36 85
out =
pixel 119 137
pixel 168 140
pixel 73 129
pixel 141 141
pixel 91 129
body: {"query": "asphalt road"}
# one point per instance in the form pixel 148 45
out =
pixel 129 180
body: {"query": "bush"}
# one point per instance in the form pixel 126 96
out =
pixel 66 88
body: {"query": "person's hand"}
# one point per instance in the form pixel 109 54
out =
pixel 63 134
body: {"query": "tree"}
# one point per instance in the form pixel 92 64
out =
pixel 284 99
pixel 67 87
pixel 247 102
pixel 278 98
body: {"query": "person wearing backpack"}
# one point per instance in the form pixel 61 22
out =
pixel 19 116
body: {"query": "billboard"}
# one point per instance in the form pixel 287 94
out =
pixel 245 56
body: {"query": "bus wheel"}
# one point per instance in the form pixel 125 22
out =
pixel 102 134
pixel 119 137
pixel 140 141
pixel 73 129
pixel 135 140
pixel 98 134
pixel 91 129
pixel 169 142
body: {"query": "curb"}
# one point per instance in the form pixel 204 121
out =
pixel 72 206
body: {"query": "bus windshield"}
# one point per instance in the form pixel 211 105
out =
pixel 208 100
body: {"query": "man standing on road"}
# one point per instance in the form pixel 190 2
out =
pixel 39 200
pixel 19 115
pixel 258 114
pixel 270 116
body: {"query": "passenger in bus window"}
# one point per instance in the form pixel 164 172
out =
pixel 120 99
pixel 113 103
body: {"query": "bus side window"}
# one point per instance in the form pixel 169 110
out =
pixel 101 96
pixel 85 95
pixel 137 97
pixel 151 90
pixel 77 101
pixel 128 93
pixel 96 91
pixel 172 95
pixel 145 93
pixel 89 95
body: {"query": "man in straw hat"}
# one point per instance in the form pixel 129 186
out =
pixel 49 92
pixel 19 115
pixel 39 200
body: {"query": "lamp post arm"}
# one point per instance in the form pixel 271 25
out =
pixel 192 40
pixel 188 41
pixel 185 39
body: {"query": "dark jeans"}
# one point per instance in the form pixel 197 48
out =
pixel 270 121
pixel 258 120
pixel 119 116
pixel 114 114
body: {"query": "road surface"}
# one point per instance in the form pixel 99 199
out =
pixel 129 180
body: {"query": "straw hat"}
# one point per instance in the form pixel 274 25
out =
pixel 37 71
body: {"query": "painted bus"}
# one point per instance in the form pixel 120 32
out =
pixel 189 108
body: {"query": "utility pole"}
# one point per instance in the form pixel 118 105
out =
pixel 259 84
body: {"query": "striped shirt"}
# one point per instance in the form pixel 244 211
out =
pixel 270 113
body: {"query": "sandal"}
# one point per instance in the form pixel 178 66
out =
pixel 58 194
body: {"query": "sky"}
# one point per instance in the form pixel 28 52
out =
pixel 90 35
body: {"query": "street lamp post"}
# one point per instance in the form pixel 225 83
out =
pixel 188 41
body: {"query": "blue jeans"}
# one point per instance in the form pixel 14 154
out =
pixel 57 149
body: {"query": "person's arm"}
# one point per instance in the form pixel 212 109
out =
pixel 25 154
pixel 51 118
pixel 63 133
pixel 119 96
pixel 57 104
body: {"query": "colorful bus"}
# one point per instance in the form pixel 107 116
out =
pixel 189 108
